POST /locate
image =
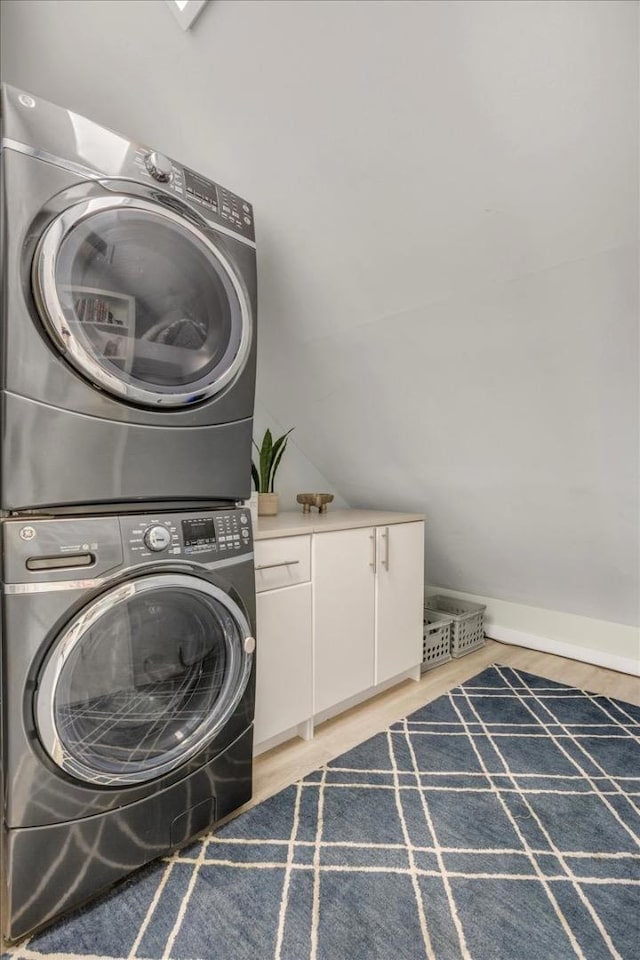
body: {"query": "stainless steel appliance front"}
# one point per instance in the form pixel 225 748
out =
pixel 129 696
pixel 129 320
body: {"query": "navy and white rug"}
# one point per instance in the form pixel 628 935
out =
pixel 500 822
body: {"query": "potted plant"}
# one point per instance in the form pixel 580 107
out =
pixel 269 457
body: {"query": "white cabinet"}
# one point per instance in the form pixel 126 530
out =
pixel 399 599
pixel 284 691
pixel 284 655
pixel 343 582
pixel 368 595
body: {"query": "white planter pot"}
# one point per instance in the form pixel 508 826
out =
pixel 267 504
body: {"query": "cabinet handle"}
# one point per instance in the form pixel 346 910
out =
pixel 269 566
pixel 374 562
pixel 385 537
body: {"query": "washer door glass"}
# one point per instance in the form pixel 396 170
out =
pixel 141 301
pixel 143 679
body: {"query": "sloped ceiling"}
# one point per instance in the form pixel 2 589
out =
pixel 446 201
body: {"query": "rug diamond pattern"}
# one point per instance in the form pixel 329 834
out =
pixel 501 822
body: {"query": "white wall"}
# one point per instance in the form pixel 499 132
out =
pixel 446 202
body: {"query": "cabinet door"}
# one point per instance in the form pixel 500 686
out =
pixel 343 577
pixel 399 598
pixel 284 685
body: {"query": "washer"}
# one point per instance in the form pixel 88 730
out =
pixel 128 322
pixel 128 689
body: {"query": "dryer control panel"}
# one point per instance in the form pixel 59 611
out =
pixel 213 201
pixel 73 141
pixel 203 537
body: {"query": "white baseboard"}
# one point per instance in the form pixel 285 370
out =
pixel 570 650
pixel 413 674
pixel 305 730
pixel 615 646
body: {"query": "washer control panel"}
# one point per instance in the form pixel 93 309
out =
pixel 204 537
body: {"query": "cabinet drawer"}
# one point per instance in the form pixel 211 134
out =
pixel 281 562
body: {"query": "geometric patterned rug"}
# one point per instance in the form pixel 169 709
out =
pixel 499 822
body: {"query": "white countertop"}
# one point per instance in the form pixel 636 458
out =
pixel 295 523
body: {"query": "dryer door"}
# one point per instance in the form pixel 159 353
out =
pixel 142 679
pixel 141 301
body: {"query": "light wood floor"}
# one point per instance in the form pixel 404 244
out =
pixel 287 763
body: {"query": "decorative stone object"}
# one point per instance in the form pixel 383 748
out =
pixel 319 500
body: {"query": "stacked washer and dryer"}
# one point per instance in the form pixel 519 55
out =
pixel 128 605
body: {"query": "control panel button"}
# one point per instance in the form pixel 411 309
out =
pixel 159 166
pixel 157 538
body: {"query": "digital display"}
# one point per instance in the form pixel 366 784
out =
pixel 198 532
pixel 200 188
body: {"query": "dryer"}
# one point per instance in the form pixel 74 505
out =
pixel 128 697
pixel 128 320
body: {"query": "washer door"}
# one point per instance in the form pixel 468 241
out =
pixel 141 301
pixel 142 679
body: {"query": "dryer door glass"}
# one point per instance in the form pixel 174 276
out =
pixel 143 679
pixel 142 302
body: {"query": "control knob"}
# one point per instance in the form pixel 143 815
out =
pixel 157 538
pixel 159 166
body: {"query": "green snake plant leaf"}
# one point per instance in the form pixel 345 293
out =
pixel 265 461
pixel 256 477
pixel 255 471
pixel 269 457
pixel 276 456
